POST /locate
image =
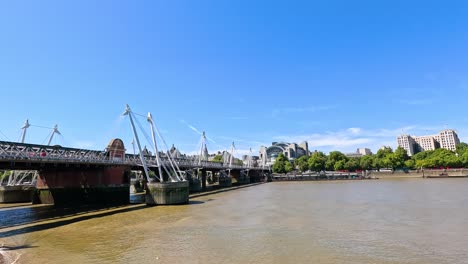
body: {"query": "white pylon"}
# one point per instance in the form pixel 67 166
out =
pixel 232 155
pixel 133 145
pixel 155 145
pixel 202 148
pixel 25 128
pixel 54 131
pixel 175 169
pixel 128 112
pixel 249 159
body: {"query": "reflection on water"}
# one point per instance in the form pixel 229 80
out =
pixel 404 221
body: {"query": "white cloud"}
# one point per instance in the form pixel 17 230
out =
pixel 354 130
pixel 344 140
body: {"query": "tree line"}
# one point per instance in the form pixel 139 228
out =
pixel 385 158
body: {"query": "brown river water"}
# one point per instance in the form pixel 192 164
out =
pixel 379 221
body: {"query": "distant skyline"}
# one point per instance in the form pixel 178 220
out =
pixel 341 75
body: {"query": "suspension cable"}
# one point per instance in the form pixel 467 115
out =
pixel 5 136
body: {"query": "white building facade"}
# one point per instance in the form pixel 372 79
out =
pixel 447 139
pixel 291 151
pixel 364 151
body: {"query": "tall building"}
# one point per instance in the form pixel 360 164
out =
pixel 447 139
pixel 408 143
pixel 424 143
pixel 364 151
pixel 359 153
pixel 290 150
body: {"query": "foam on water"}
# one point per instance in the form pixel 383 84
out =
pixel 8 257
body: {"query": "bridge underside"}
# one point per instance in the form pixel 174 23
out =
pixel 236 176
pixel 68 186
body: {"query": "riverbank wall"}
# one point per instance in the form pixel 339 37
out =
pixel 442 173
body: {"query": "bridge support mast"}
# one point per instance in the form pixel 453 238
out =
pixel 128 112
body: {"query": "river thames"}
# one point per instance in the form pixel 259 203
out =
pixel 378 221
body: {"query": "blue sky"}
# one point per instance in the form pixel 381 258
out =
pixel 339 74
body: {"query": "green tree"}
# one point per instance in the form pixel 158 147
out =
pixel 367 162
pixel 218 158
pixel 2 176
pixel 461 148
pixel 352 164
pixel 438 158
pixel 410 164
pixel 301 163
pixel 288 166
pixel 334 157
pixel 384 152
pixel 398 158
pixel 340 165
pixel 422 155
pixel 376 162
pixel 282 164
pixel 464 159
pixel 317 161
pixel 383 158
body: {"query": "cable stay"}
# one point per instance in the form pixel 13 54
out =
pixel 202 151
pixel 54 131
pixel 28 177
pixel 174 174
pixel 245 172
pixel 50 137
pixel 165 167
pixel 25 129
pixel 128 112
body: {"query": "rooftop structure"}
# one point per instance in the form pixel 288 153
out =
pixel 359 153
pixel 291 151
pixel 364 151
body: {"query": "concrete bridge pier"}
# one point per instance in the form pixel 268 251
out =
pixel 166 193
pixel 203 180
pixel 243 177
pixel 194 181
pixel 16 194
pixel 268 176
pixel 225 179
pixel 257 176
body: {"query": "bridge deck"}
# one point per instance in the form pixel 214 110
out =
pixel 33 155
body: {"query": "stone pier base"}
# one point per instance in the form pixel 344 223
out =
pixel 195 185
pixel 16 194
pixel 225 182
pixel 167 193
pixel 86 195
pixel 243 179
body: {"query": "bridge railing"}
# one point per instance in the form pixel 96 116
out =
pixel 183 162
pixel 12 151
pixel 19 151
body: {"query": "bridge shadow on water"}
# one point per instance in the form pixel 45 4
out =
pixel 40 218
pixel 9 248
pixel 196 202
pixel 214 189
pixel 27 219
